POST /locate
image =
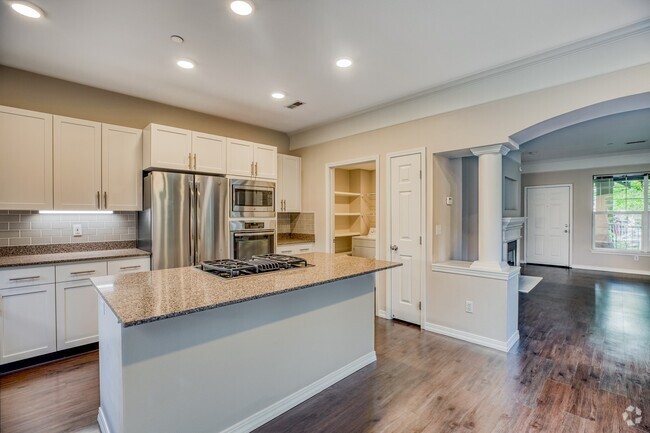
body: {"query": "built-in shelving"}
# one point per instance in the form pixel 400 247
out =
pixel 347 194
pixel 346 234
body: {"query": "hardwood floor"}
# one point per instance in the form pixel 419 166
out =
pixel 583 358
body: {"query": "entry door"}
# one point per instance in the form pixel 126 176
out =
pixel 548 225
pixel 406 236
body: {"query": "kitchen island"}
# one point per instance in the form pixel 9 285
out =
pixel 182 350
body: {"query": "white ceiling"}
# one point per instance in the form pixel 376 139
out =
pixel 602 136
pixel 400 48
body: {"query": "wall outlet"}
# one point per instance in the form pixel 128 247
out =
pixel 449 201
pixel 636 258
pixel 469 306
pixel 76 230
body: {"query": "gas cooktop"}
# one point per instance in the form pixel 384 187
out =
pixel 231 268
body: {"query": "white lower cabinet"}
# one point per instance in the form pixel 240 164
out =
pixel 44 318
pixel 76 314
pixel 27 323
pixel 296 248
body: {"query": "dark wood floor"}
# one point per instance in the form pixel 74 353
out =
pixel 583 357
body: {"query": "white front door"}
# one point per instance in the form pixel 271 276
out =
pixel 406 236
pixel 548 225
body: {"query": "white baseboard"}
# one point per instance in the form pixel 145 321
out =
pixel 280 407
pixel 101 420
pixel 503 346
pixel 617 270
pixel 382 314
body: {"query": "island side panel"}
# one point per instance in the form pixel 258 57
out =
pixel 110 370
pixel 230 366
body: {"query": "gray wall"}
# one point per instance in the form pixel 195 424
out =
pixel 582 220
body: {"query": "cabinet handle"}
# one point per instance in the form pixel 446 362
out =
pixel 189 157
pixel 99 202
pixel 195 161
pixel 255 169
pixel 304 249
pixel 252 172
pixel 105 200
pixel 284 205
pixel 286 252
pixel 82 272
pixel 123 268
pixel 35 277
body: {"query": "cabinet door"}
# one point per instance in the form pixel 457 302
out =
pixel 27 322
pixel 290 182
pixel 210 153
pixel 240 158
pixel 167 147
pixel 266 162
pixel 121 168
pixel 25 159
pixel 77 164
pixel 127 266
pixel 76 314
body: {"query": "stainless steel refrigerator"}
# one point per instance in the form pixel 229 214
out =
pixel 184 219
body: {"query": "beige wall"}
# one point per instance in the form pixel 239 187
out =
pixel 475 126
pixel 50 95
pixel 582 222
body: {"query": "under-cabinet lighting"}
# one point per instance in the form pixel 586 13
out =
pixel 63 212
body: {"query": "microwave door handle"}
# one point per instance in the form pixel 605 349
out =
pixel 247 234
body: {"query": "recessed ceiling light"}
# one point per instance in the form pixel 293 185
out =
pixel 344 63
pixel 242 7
pixel 27 9
pixel 185 64
pixel 278 95
pixel 177 39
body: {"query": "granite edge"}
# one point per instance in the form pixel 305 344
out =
pixel 92 255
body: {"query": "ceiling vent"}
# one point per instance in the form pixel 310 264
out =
pixel 295 105
pixel 636 142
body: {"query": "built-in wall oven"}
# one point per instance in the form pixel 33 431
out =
pixel 252 199
pixel 251 238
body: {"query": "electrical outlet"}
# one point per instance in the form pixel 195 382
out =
pixel 469 306
pixel 449 201
pixel 636 258
pixel 76 230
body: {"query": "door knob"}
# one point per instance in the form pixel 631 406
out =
pixel 394 247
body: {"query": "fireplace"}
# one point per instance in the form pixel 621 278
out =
pixel 512 240
pixel 511 253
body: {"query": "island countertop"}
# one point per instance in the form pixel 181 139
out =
pixel 150 296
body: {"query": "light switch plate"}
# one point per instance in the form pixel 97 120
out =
pixel 76 230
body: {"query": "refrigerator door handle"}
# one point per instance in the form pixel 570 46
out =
pixel 192 223
pixel 197 241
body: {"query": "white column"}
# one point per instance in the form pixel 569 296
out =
pixel 490 208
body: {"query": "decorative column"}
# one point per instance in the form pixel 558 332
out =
pixel 490 208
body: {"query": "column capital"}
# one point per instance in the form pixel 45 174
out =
pixel 494 148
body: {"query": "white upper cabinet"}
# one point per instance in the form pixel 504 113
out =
pixel 77 164
pixel 25 160
pixel 288 188
pixel 209 153
pixel 121 168
pixel 167 147
pixel 266 160
pixel 248 159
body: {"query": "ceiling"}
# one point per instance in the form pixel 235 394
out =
pixel 399 48
pixel 602 136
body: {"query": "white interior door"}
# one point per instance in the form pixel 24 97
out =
pixel 406 236
pixel 548 226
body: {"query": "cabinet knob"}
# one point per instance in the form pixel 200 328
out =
pixel 394 247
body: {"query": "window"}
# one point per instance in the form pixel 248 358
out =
pixel 621 212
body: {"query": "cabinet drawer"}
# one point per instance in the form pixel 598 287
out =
pixel 26 276
pixel 80 271
pixel 125 266
pixel 295 248
pixel 363 242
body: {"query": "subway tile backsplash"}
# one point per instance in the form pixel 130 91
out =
pixel 302 223
pixel 31 228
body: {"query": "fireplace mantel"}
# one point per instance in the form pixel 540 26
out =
pixel 512 233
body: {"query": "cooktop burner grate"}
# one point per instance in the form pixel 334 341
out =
pixel 229 268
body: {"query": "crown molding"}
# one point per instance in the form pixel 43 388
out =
pixel 624 48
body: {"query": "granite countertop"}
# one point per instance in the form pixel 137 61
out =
pixel 78 256
pixel 295 238
pixel 149 296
